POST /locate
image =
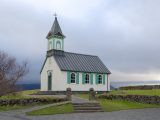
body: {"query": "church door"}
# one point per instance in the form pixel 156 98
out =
pixel 49 86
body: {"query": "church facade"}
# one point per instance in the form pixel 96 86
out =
pixel 62 69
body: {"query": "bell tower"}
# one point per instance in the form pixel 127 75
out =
pixel 55 37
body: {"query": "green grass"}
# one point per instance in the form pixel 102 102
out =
pixel 27 92
pixel 66 108
pixel 17 107
pixel 22 94
pixel 113 105
pixel 86 96
pixel 138 92
pixel 19 97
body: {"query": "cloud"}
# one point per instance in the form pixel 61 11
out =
pixel 124 34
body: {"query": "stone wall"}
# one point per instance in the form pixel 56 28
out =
pixel 147 99
pixel 156 86
pixel 30 101
pixel 140 87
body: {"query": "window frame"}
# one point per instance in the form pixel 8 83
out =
pixel 59 45
pixel 88 79
pixel 101 79
pixel 50 45
pixel 71 78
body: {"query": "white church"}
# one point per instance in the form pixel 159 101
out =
pixel 62 69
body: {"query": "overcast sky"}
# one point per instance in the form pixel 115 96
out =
pixel 125 34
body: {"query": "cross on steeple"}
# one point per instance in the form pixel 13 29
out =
pixel 55 14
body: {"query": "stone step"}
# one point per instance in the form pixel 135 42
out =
pixel 87 111
pixel 87 108
pixel 86 105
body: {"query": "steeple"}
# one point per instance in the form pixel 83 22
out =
pixel 55 30
pixel 55 37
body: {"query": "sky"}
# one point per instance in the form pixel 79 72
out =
pixel 124 34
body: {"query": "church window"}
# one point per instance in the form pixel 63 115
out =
pixel 50 45
pixel 58 45
pixel 86 79
pixel 73 78
pixel 99 79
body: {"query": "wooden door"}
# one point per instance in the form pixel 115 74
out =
pixel 49 83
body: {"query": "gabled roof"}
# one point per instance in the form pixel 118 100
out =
pixel 80 62
pixel 55 29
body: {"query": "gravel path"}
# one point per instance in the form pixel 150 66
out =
pixel 134 114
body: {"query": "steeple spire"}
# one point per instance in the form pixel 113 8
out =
pixel 55 30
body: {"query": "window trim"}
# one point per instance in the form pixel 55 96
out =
pixel 101 79
pixel 71 78
pixel 57 44
pixel 50 45
pixel 88 80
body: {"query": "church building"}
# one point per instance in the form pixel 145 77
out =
pixel 62 69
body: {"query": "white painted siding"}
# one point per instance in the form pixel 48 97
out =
pixel 56 75
pixel 80 86
pixel 108 82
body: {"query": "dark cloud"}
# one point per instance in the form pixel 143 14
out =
pixel 124 34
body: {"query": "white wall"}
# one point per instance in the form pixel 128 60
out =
pixel 56 75
pixel 80 86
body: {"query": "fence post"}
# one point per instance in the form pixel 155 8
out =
pixel 68 93
pixel 91 94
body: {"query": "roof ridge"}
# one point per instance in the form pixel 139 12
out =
pixel 81 54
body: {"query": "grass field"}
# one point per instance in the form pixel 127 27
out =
pixel 17 107
pixel 86 96
pixel 138 92
pixel 113 105
pixel 24 94
pixel 66 108
pixel 21 94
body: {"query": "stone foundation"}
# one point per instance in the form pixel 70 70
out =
pixel 64 92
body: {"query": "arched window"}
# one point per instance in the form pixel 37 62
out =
pixel 73 79
pixel 99 79
pixel 86 79
pixel 58 45
pixel 50 45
